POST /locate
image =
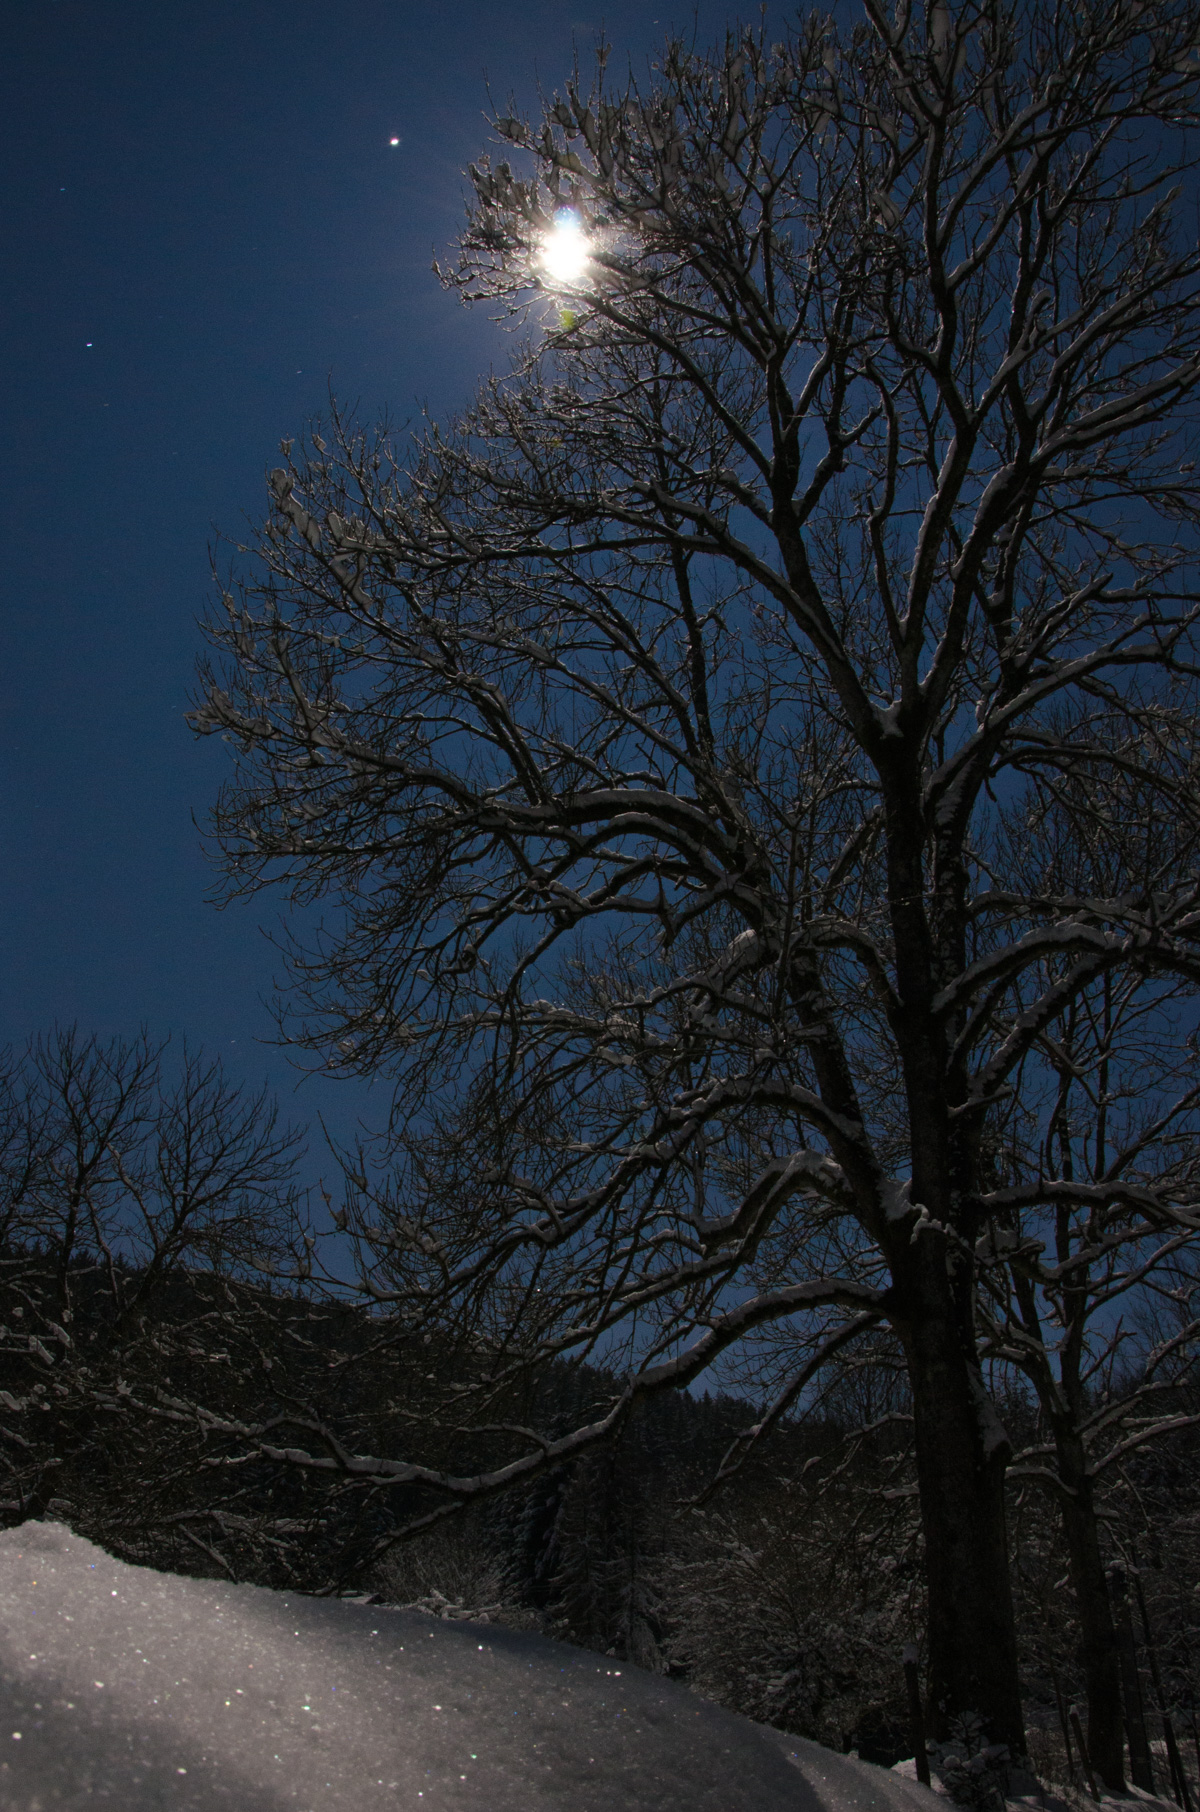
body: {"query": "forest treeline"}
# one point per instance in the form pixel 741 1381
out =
pixel 143 1339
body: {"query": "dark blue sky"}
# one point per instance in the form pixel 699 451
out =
pixel 205 225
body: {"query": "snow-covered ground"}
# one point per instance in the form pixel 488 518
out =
pixel 145 1689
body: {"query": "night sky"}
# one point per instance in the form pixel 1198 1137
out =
pixel 206 228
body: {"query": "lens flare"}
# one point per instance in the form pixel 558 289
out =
pixel 565 255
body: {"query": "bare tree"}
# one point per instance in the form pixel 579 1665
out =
pixel 684 737
pixel 1081 1253
pixel 138 1203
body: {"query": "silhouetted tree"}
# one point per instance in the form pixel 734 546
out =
pixel 686 736
pixel 1094 1233
pixel 139 1201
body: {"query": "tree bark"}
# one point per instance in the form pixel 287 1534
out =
pixel 1098 1636
pixel 961 1454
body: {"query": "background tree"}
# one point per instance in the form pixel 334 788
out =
pixel 139 1202
pixel 686 734
pixel 1102 1132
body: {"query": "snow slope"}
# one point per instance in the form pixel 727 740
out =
pixel 145 1689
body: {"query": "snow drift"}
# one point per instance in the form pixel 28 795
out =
pixel 152 1690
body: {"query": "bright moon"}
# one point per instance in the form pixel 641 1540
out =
pixel 565 250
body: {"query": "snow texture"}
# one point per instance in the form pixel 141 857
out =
pixel 144 1689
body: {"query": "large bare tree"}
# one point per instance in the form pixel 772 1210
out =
pixel 685 739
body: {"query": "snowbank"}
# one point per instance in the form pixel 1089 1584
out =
pixel 150 1690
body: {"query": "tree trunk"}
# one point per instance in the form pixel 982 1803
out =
pixel 1098 1636
pixel 1141 1766
pixel 961 1452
